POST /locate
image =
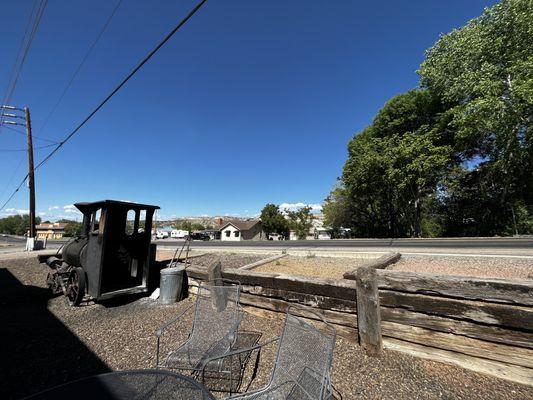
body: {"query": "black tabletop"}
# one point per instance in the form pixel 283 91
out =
pixel 129 385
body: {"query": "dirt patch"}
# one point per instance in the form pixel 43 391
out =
pixel 483 267
pixel 323 267
pixel 46 343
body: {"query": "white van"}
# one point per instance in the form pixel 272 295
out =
pixel 179 234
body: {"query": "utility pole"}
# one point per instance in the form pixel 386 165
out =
pixel 31 177
pixel 31 180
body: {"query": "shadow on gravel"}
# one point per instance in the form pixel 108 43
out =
pixel 38 350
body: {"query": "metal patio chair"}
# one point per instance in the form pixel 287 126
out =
pixel 303 361
pixel 217 316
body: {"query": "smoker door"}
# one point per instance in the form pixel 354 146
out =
pixel 95 253
pixel 125 254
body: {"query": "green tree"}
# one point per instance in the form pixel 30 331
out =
pixel 393 166
pixel 73 228
pixel 195 226
pixel 483 72
pixel 336 207
pixel 301 221
pixel 272 220
pixel 17 224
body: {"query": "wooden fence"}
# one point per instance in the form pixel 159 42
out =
pixel 481 324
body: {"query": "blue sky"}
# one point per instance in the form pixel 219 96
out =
pixel 252 102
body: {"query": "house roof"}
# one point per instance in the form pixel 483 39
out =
pixel 242 225
pixel 52 226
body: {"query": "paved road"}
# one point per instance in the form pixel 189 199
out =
pixel 453 243
pixel 502 246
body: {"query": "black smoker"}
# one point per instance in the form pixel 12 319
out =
pixel 113 255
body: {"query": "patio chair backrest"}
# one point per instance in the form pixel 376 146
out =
pixel 217 313
pixel 304 357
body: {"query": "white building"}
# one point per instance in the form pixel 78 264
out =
pixel 241 230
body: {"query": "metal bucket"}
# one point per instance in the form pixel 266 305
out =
pixel 171 284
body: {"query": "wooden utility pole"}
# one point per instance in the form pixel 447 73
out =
pixel 31 180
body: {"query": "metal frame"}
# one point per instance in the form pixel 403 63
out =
pixel 326 388
pixel 199 370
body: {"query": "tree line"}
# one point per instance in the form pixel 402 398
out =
pixel 276 221
pixel 453 157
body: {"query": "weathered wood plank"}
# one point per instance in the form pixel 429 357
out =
pixel 368 311
pixel 337 288
pixel 473 330
pixel 345 332
pixel 490 290
pixel 504 315
pixel 379 263
pixel 446 341
pixel 324 302
pixel 494 368
pixel 262 262
pixel 267 303
pixel 214 275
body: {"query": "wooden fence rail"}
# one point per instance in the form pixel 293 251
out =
pixel 482 324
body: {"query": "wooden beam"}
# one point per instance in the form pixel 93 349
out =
pixel 483 289
pixel 460 344
pixel 503 315
pixel 277 305
pixel 379 263
pixel 473 330
pixel 262 262
pixel 336 288
pixel 323 302
pixel 345 332
pixel 494 368
pixel 214 275
pixel 368 312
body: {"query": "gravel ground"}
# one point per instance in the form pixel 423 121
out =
pixel 228 260
pixel 324 267
pixel 46 343
pixel 504 268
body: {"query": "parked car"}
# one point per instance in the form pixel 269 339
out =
pixel 161 235
pixel 199 236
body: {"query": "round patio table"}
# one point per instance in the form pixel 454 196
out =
pixel 129 385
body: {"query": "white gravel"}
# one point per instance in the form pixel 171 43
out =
pixel 483 267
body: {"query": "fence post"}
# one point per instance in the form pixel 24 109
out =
pixel 214 276
pixel 368 313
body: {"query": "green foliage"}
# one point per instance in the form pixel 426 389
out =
pixel 392 167
pixel 73 228
pixel 301 221
pixel 188 226
pixel 273 221
pixel 483 72
pixel 455 157
pixel 16 224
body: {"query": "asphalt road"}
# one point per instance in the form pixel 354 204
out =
pixel 451 243
pixel 488 246
pixel 503 243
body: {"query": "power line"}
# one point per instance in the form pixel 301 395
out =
pixel 80 65
pixel 12 176
pixel 35 137
pixel 35 148
pixel 113 92
pixel 34 21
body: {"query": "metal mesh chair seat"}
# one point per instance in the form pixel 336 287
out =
pixel 194 353
pixel 217 317
pixel 303 362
